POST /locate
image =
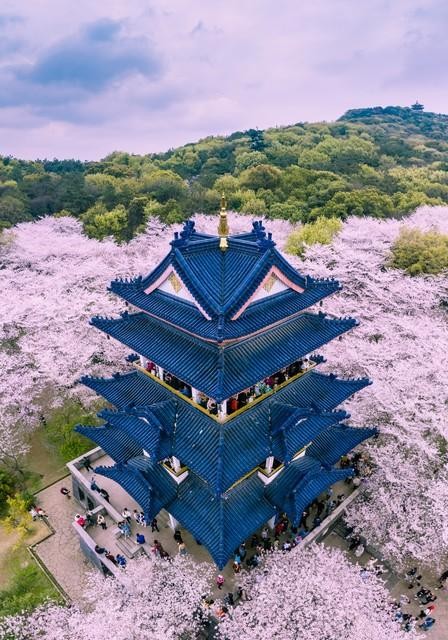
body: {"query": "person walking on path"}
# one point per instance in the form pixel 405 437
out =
pixel 121 560
pixel 158 550
pixel 412 578
pixel 428 611
pixel 178 537
pixel 140 538
pixel 220 581
pixel 105 495
pixel 101 521
pixel 65 492
pixel 427 623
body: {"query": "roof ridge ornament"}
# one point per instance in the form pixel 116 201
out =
pixel 223 227
pixel 182 238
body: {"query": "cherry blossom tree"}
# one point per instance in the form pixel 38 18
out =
pixel 401 345
pixel 153 599
pixel 55 279
pixel 309 594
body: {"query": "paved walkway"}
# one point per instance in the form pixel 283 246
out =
pixel 397 587
pixel 60 552
pixel 62 555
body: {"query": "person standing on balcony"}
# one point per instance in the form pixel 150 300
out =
pixel 154 525
pixel 126 515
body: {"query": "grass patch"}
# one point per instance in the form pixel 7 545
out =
pixel 28 586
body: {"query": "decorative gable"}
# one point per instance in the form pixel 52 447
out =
pixel 170 282
pixel 274 282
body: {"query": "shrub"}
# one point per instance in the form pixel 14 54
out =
pixel 321 231
pixel 59 430
pixel 419 252
pixel 7 488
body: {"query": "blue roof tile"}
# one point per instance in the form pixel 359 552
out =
pixel 298 429
pixel 150 486
pixel 335 442
pixel 301 482
pixel 222 371
pixel 247 438
pixel 221 523
pixel 186 315
pixel 118 444
pixel 220 281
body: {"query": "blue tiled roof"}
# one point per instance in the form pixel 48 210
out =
pixel 221 454
pixel 314 389
pixel 221 524
pixel 222 371
pixel 150 486
pixel 335 442
pixel 301 482
pixel 186 315
pixel 118 444
pixel 220 281
pixel 309 489
pixel 296 427
pixel 145 433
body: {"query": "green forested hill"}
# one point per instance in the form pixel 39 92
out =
pixel 379 161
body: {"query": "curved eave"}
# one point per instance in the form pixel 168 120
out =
pixel 321 390
pixel 220 372
pixel 250 261
pixel 259 315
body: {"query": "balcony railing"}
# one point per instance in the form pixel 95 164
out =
pixel 222 419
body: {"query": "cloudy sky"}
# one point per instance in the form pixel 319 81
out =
pixel 81 78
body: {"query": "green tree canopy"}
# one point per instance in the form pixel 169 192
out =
pixel 321 231
pixel 420 252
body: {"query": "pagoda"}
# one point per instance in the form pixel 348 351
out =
pixel 225 422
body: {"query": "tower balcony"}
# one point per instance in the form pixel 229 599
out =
pixel 236 404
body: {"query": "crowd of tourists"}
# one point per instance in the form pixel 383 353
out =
pixel 423 597
pixel 283 537
pixel 242 399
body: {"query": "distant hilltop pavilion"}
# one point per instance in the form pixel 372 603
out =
pixel 225 422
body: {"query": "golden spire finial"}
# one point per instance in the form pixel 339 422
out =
pixel 223 227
